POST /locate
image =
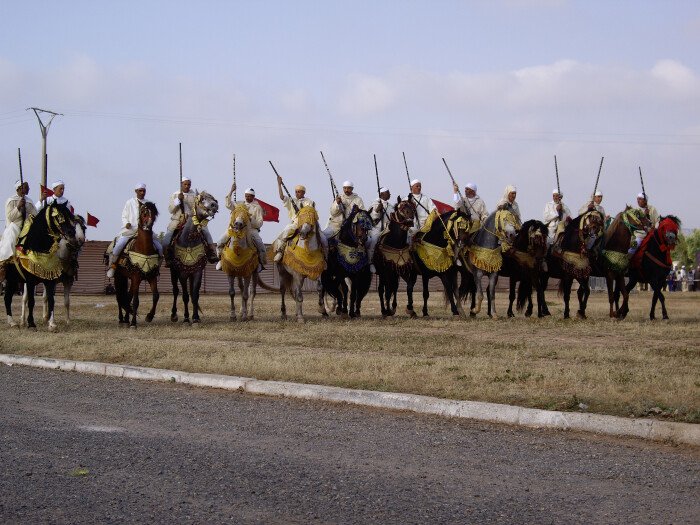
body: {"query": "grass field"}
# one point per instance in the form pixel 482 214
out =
pixel 630 368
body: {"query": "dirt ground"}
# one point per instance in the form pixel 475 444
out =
pixel 631 368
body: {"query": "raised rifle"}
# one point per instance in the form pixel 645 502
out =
pixel 21 181
pixel 334 188
pixel 598 177
pixel 182 202
pixel 466 199
pixel 641 179
pixel 556 170
pixel 234 178
pixel 296 208
pixel 379 193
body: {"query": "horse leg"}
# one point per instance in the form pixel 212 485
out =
pixel 153 283
pixel 392 293
pixel 176 292
pixel 66 300
pixel 662 299
pixel 232 297
pixel 252 287
pixel 568 281
pixel 528 310
pixel 353 301
pixel 243 287
pixel 25 298
pixel 50 297
pixel 583 292
pixel 196 285
pixel 652 312
pixel 493 279
pixel 185 300
pixel 134 298
pixel 283 307
pixel 44 306
pixel 543 281
pixel 382 291
pixel 10 290
pixel 511 297
pixel 30 305
pixel 479 292
pixel 299 298
pixel 610 283
pixel 624 309
pixel 410 284
pixel 426 294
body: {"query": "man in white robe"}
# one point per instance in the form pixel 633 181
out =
pixel 424 205
pixel 594 204
pixel 556 215
pixel 380 211
pixel 58 187
pixel 470 203
pixel 18 208
pixel 256 221
pixel 508 201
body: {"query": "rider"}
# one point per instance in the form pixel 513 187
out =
pixel 130 227
pixel 653 216
pixel 594 204
pixel 424 205
pixel 380 212
pixel 508 201
pixel 58 187
pixel 471 204
pixel 18 208
pixel 299 200
pixel 556 216
pixel 341 208
pixel 256 221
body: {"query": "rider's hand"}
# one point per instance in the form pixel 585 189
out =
pixel 20 204
pixel 181 196
pixel 559 207
pixel 380 207
pixel 279 179
pixel 127 226
pixel 455 187
pixel 233 187
pixel 338 199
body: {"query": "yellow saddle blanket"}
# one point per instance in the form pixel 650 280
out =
pixel 44 265
pixel 309 263
pixel 189 256
pixel 434 257
pixel 239 262
pixel 486 259
pixel 145 263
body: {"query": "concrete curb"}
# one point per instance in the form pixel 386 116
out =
pixel 650 429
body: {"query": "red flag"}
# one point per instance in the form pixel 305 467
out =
pixel 442 207
pixel 92 220
pixel 270 213
pixel 46 191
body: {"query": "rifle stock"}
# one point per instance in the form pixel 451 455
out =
pixel 296 208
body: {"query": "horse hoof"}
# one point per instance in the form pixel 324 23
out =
pixel 13 324
pixel 283 317
pixel 149 318
pixel 132 326
pixel 527 314
pixel 250 318
pixel 472 314
pixel 52 328
pixel 511 314
pixel 580 315
pixel 301 320
pixel 173 318
pixel 32 328
pixel 232 318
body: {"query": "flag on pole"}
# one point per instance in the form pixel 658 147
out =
pixel 270 213
pixel 442 207
pixel 92 220
pixel 45 191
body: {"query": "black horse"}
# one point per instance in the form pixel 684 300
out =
pixel 523 264
pixel 652 262
pixel 37 259
pixel 435 253
pixel 579 243
pixel 347 258
pixel 393 261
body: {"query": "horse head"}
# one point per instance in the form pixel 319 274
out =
pixel 668 228
pixel 148 212
pixel 507 226
pixel 61 222
pixel 404 213
pixel 307 218
pixel 358 225
pixel 68 247
pixel 458 226
pixel 205 205
pixel 533 235
pixel 240 218
pixel 592 225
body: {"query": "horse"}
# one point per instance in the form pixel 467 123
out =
pixel 36 259
pixel 139 261
pixel 652 261
pixel 392 259
pixel 347 259
pixel 239 261
pixel 190 256
pixel 494 237
pixel 435 251
pixel 68 254
pixel 303 258
pixel 613 260
pixel 523 263
pixel 579 240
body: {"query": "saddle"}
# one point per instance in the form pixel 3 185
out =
pixel 298 257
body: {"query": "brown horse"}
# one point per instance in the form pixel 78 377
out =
pixel 613 261
pixel 139 261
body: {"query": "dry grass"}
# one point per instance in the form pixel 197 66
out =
pixel 635 367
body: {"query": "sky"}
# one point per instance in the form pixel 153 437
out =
pixel 496 87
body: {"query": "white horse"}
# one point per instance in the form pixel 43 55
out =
pixel 68 254
pixel 304 257
pixel 239 261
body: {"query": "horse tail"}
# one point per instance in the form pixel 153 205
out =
pixel 560 290
pixel 466 285
pixel 524 292
pixel 264 285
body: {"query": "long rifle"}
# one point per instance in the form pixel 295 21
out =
pixel 182 202
pixel 379 192
pixel 556 170
pixel 296 208
pixel 21 181
pixel 642 181
pixel 466 199
pixel 234 178
pixel 334 188
pixel 598 177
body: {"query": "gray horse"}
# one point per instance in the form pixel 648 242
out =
pixel 190 256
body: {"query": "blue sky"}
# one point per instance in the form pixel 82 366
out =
pixel 497 88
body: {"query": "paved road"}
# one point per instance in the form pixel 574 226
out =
pixel 166 453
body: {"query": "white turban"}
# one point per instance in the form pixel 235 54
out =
pixel 56 183
pixel 186 179
pixel 415 181
pixel 250 191
pixel 471 186
pixel 18 185
pixel 348 184
pixel 299 187
pixel 598 193
pixel 383 189
pixel 555 191
pixel 140 186
pixel 641 196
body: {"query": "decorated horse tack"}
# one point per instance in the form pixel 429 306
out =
pixel 441 258
pixel 298 255
pixel 239 258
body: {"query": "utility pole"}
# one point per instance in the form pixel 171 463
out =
pixel 44 132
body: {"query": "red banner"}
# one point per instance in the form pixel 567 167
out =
pixel 46 191
pixel 92 220
pixel 270 213
pixel 442 207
